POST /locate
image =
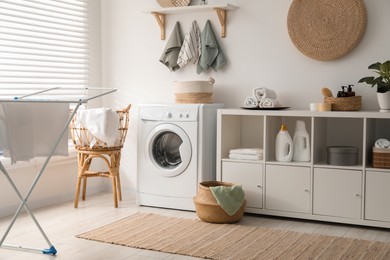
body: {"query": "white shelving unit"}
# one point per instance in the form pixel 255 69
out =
pixel 314 190
pixel 221 11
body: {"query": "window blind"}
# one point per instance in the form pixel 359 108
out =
pixel 44 43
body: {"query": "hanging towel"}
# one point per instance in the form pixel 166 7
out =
pixel 248 151
pixel 33 128
pixel 250 102
pixel 103 123
pixel 262 93
pixel 172 49
pixel 191 49
pixel 382 143
pixel 268 102
pixel 230 198
pixel 212 55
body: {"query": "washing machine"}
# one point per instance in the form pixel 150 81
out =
pixel 176 151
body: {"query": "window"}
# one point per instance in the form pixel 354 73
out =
pixel 44 43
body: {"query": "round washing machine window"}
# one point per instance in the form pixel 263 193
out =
pixel 169 149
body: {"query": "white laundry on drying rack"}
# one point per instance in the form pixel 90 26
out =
pixel 27 135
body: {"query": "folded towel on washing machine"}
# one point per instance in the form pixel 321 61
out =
pixel 230 198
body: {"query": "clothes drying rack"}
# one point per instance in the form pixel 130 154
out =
pixel 75 96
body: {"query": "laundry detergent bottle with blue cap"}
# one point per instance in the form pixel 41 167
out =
pixel 283 145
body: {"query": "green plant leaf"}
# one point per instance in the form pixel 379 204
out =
pixel 375 66
pixel 366 80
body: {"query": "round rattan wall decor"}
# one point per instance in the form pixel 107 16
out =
pixel 326 29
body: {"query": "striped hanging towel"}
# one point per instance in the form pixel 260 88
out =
pixel 191 49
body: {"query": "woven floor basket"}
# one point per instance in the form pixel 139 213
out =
pixel 82 138
pixel 381 158
pixel 345 103
pixel 207 207
pixel 326 29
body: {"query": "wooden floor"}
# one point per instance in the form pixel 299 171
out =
pixel 62 222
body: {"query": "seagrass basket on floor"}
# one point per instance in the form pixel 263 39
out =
pixel 89 148
pixel 207 207
pixel 344 103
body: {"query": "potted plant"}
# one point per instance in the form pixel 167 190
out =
pixel 382 82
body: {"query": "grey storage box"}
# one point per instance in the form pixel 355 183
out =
pixel 342 155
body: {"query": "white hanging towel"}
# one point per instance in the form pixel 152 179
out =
pixel 191 49
pixel 103 123
pixel 33 128
pixel 262 93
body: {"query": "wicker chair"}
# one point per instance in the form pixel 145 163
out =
pixel 110 155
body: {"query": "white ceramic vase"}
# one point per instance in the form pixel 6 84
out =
pixel 384 101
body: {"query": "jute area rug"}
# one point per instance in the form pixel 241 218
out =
pixel 230 241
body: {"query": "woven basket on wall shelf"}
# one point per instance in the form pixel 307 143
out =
pixel 344 103
pixel 173 3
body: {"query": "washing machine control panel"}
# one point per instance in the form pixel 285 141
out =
pixel 180 114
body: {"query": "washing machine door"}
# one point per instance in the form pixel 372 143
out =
pixel 169 149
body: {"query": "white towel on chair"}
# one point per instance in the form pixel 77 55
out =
pixel 103 123
pixel 191 49
pixel 250 102
pixel 33 128
pixel 262 93
pixel 268 102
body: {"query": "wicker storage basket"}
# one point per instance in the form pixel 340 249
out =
pixel 381 158
pixel 207 207
pixel 197 91
pixel 82 138
pixel 345 103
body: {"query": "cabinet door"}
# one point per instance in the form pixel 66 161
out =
pixel 377 196
pixel 337 192
pixel 287 188
pixel 250 176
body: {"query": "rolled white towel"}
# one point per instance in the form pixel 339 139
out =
pixel 248 151
pixel 251 102
pixel 382 143
pixel 262 93
pixel 245 156
pixel 268 102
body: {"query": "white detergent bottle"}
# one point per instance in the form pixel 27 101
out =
pixel 283 145
pixel 301 143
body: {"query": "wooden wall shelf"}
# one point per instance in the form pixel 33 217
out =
pixel 221 11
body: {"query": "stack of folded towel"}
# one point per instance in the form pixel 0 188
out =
pixel 261 97
pixel 246 154
pixel 382 143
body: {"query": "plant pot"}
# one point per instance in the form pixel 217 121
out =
pixel 384 101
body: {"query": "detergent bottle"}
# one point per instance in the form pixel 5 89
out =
pixel 301 143
pixel 283 145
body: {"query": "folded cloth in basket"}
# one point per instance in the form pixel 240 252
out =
pixel 32 129
pixel 251 102
pixel 248 151
pixel 268 102
pixel 382 143
pixel 103 123
pixel 230 198
pixel 262 93
pixel 253 157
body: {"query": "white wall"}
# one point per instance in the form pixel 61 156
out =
pixel 259 53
